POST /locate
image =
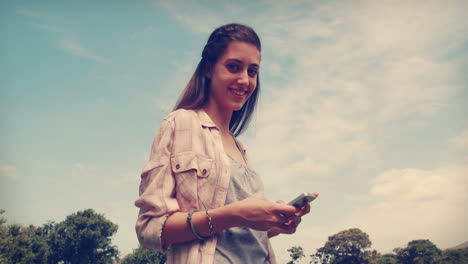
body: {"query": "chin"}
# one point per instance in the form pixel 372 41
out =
pixel 237 107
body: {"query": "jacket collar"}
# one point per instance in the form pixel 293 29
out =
pixel 205 119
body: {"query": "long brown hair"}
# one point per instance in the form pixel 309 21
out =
pixel 197 92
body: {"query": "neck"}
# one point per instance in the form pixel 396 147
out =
pixel 220 117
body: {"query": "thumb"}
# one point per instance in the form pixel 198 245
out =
pixel 284 209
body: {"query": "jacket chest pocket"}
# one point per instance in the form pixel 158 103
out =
pixel 191 162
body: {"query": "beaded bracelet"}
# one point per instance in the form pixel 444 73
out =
pixel 210 224
pixel 192 228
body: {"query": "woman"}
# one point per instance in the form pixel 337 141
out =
pixel 197 191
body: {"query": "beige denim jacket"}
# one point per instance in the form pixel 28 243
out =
pixel 187 159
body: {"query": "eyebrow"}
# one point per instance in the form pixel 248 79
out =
pixel 241 62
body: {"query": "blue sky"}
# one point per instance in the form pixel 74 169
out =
pixel 362 101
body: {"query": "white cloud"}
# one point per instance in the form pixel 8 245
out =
pixel 10 172
pixel 402 205
pixel 64 43
pixel 352 71
pixel 76 49
pixel 345 85
pixel 415 185
pixel 410 204
pixel 194 16
pixel 29 13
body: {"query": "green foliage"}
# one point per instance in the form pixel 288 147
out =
pixel 387 259
pixel 296 254
pixel 320 257
pixel 371 257
pixel 455 256
pixel 3 238
pixel 351 247
pixel 420 251
pixel 21 244
pixel 347 246
pixel 2 219
pixel 84 237
pixel 144 256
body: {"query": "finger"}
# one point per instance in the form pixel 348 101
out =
pixel 280 218
pixel 296 221
pixel 307 208
pixel 280 202
pixel 273 232
pixel 285 229
pixel 283 209
pixel 304 210
pixel 283 218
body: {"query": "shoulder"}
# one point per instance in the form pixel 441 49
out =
pixel 181 116
pixel 183 119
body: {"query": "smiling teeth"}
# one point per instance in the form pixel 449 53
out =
pixel 238 92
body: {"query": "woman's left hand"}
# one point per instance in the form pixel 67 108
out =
pixel 292 224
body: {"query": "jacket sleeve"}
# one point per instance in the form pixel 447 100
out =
pixel 156 193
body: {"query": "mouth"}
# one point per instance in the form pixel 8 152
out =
pixel 238 92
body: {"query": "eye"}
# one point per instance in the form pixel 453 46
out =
pixel 252 72
pixel 232 67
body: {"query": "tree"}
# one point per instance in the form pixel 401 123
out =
pixel 144 256
pixel 455 256
pixel 419 252
pixel 387 259
pixel 20 244
pixel 296 253
pixel 320 258
pixel 347 246
pixel 371 257
pixel 3 238
pixel 83 237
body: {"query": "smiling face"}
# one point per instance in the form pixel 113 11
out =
pixel 234 76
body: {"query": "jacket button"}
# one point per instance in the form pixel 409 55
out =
pixel 204 171
pixel 177 166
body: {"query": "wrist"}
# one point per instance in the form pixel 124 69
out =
pixel 225 217
pixel 192 227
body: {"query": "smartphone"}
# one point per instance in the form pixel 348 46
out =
pixel 299 200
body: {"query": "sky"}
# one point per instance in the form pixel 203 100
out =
pixel 361 101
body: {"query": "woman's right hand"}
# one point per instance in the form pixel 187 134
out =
pixel 255 213
pixel 261 214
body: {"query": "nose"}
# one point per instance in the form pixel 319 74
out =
pixel 243 78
